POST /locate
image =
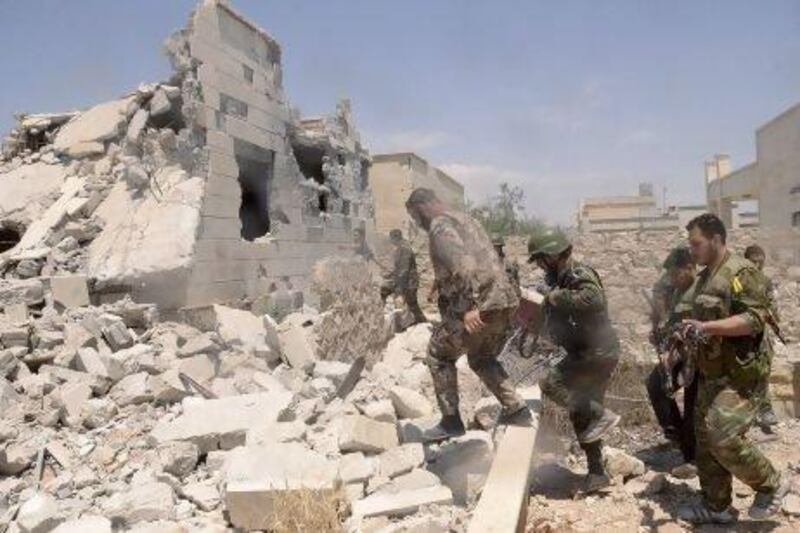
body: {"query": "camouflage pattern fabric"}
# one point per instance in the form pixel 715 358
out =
pixel 468 272
pixel 512 271
pixel 450 340
pixel 404 275
pixel 733 371
pixel 723 416
pixel 577 320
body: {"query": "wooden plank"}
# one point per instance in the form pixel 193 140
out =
pixel 504 501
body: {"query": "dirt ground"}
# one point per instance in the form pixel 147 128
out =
pixel 553 508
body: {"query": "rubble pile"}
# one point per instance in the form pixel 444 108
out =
pixel 116 418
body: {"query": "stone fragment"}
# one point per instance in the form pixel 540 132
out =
pixel 619 463
pixel 203 494
pixel 684 471
pixel 212 423
pixel 238 329
pixel 13 336
pixel 159 103
pixel 409 403
pixel 400 460
pixel 297 344
pixel 354 467
pixel 132 390
pixel 103 122
pixel 28 291
pixel 146 502
pixel 69 292
pixel 381 410
pixel 136 126
pixel 335 371
pixel 362 434
pixel 117 335
pixel 85 149
pixel 791 504
pixel 416 479
pixel 260 478
pixel 460 461
pixel 85 524
pixel 16 313
pixel 294 431
pixel 97 412
pixel 8 396
pixel 90 361
pixel 647 485
pixel 179 458
pixel 72 398
pixel 200 344
pixel 39 514
pixel 16 458
pixel 401 503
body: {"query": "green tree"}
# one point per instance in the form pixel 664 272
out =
pixel 504 213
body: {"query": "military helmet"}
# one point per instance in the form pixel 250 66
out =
pixel 498 240
pixel 547 241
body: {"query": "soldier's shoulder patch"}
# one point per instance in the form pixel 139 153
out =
pixel 736 284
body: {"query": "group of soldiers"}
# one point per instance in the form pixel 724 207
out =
pixel 717 319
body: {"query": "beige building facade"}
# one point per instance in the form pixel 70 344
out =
pixel 392 177
pixel 773 180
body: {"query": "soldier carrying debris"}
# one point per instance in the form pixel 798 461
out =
pixel 403 279
pixel 576 317
pixel 476 302
pixel 679 275
pixel 766 415
pixel 730 306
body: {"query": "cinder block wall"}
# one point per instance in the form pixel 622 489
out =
pixel 231 51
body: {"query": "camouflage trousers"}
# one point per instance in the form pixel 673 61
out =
pixel 722 417
pixel 578 384
pixel 450 340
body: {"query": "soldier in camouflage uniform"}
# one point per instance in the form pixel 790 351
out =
pixel 729 305
pixel 766 415
pixel 670 293
pixel 403 279
pixel 577 320
pixel 511 267
pixel 476 302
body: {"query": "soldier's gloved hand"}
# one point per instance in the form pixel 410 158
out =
pixel 472 321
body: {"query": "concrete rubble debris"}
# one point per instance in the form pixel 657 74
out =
pixel 85 524
pixel 146 502
pixel 362 434
pixel 409 403
pixel 401 503
pixel 69 291
pixel 39 514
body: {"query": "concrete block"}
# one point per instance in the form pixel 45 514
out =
pixel 400 460
pixel 504 501
pixel 210 423
pixel 258 478
pixel 69 292
pixel 14 336
pixel 117 335
pixel 132 390
pixel 418 478
pixel 146 502
pixel 460 461
pixel 29 291
pixel 409 403
pixel 362 434
pixel 381 410
pixel 16 313
pixel 8 396
pixel 39 514
pixel 354 467
pixel 85 524
pixel 72 397
pixel 401 503
pixel 297 343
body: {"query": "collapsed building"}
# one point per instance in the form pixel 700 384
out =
pixel 207 187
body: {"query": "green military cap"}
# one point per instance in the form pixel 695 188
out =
pixel 547 241
pixel 678 257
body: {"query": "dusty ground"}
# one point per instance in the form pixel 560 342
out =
pixel 553 509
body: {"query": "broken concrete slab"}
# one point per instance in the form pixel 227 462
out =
pixel 102 122
pixel 401 503
pixel 8 396
pixel 132 390
pixel 14 336
pixel 72 398
pixel 294 431
pixel 69 292
pixel 462 462
pixel 418 478
pixel 85 524
pixel 97 412
pixel 179 458
pixel 259 478
pixel 503 503
pixel 400 460
pixel 117 335
pixel 136 126
pixel 297 343
pixel 39 514
pixel 354 467
pixel 409 403
pixel 381 410
pixel 92 362
pixel 211 424
pixel 238 329
pixel 159 103
pixel 16 313
pixel 146 502
pixel 335 371
pixel 98 384
pixel 27 291
pixel 203 494
pixel 362 434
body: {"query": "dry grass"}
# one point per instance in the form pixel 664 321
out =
pixel 309 510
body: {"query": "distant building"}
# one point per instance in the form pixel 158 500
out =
pixel 622 213
pixel 392 177
pixel 772 180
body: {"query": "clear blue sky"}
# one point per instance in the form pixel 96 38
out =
pixel 567 99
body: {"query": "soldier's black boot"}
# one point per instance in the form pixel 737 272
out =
pixel 597 479
pixel 450 426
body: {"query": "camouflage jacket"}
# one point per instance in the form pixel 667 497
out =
pixel 469 274
pixel 404 275
pixel 736 287
pixel 577 311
